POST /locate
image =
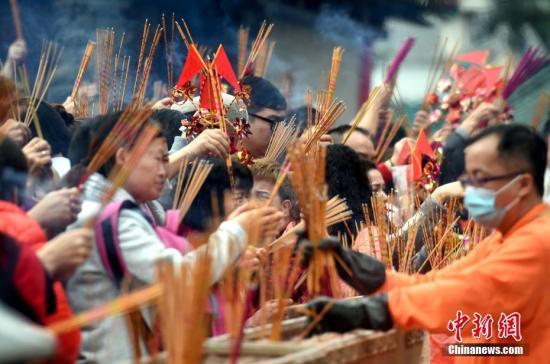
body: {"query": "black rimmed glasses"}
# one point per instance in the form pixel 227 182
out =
pixel 480 181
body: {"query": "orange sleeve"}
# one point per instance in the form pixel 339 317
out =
pixel 507 281
pixel 397 280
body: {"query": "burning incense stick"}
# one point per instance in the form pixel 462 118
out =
pixel 121 305
pixel 337 211
pixel 49 59
pixel 373 96
pixel 282 135
pixel 242 47
pixel 386 140
pixel 16 19
pixel 257 46
pixel 88 52
pixel 191 177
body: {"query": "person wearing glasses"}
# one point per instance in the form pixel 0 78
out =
pixel 506 273
pixel 267 107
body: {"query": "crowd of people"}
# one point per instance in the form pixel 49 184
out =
pixel 64 250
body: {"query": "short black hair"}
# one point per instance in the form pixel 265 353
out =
pixel 519 142
pixel 54 128
pixel 263 94
pixel 170 122
pixel 346 177
pixel 338 132
pixel 201 212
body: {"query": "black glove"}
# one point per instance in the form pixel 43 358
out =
pixel 369 313
pixel 367 273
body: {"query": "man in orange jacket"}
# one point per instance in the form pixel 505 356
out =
pixel 497 294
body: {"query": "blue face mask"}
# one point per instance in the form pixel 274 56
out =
pixel 481 205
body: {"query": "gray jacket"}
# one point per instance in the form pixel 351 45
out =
pixel 107 341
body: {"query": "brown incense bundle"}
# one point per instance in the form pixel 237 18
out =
pixel 373 96
pixel 388 134
pixel 263 60
pixel 16 19
pixel 337 211
pixel 191 177
pixel 142 73
pixel 242 46
pixel 182 309
pixel 257 46
pixel 337 54
pixel 308 182
pixel 169 49
pixel 282 135
pixel 105 43
pixel 323 120
pixel 88 52
pixel 49 59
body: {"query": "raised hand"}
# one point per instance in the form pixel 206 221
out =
pixel 66 252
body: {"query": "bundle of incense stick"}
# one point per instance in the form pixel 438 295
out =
pixel 191 177
pixel 308 182
pixel 49 59
pixel 263 60
pixel 169 49
pixel 323 121
pixel 282 135
pixel 112 79
pixel 324 99
pixel 88 52
pixel 530 64
pixel 105 40
pixel 182 309
pixel 440 65
pixel 257 46
pixel 440 239
pixel 387 136
pixel 119 306
pixel 337 211
pixel 242 45
pixel 337 54
pixel 16 19
pixel 125 129
pixel 373 96
pixel 142 74
pixel 379 222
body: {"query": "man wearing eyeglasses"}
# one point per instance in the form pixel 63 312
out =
pixel 508 273
pixel 267 107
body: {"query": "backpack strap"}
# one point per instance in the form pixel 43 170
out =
pixel 106 234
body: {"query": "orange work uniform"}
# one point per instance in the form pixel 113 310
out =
pixel 503 274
